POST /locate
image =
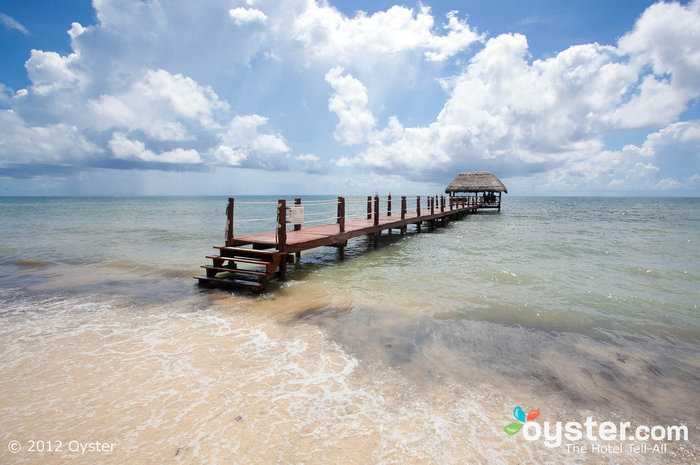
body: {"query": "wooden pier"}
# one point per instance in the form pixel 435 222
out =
pixel 253 260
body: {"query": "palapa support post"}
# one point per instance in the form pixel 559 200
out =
pixel 341 214
pixel 297 202
pixel 369 207
pixel 229 222
pixel 499 201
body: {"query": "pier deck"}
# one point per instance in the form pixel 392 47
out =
pixel 329 234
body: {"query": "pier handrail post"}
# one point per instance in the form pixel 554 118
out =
pixel 281 225
pixel 229 222
pixel 369 207
pixel 403 207
pixel 297 202
pixel 432 205
pixel 388 206
pixel 418 206
pixel 376 210
pixel 442 204
pixel 341 213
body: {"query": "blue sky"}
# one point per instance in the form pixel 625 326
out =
pixel 310 97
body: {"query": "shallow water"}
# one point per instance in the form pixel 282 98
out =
pixel 416 352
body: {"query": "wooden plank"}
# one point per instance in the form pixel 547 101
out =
pixel 245 252
pixel 237 260
pixel 231 282
pixel 221 269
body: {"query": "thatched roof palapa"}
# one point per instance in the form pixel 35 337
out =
pixel 481 181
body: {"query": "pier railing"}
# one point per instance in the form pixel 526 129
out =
pixel 294 216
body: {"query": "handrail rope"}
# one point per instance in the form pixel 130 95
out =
pixel 319 214
pixel 318 202
pixel 256 203
pixel 255 220
pixel 328 220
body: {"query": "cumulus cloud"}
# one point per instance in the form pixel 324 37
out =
pixel 247 15
pixel 667 160
pixel 160 104
pixel 514 116
pixel 50 72
pixel 355 122
pixel 310 163
pixel 268 82
pixel 241 139
pixel 329 35
pixel 127 149
pixel 47 144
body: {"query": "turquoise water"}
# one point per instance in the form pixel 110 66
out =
pixel 574 306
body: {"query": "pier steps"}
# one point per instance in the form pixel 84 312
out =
pixel 243 267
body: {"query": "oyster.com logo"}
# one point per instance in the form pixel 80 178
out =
pixel 519 415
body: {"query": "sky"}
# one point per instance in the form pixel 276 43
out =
pixel 263 97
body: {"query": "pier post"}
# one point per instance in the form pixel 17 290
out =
pixel 418 213
pixel 442 204
pixel 297 202
pixel 403 213
pixel 432 205
pixel 376 210
pixel 369 207
pixel 341 214
pixel 229 222
pixel 297 227
pixel 281 225
pixel 388 206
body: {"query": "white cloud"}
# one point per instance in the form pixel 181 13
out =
pixel 518 117
pixel 251 91
pixel 247 15
pixel 52 144
pixel 161 105
pixel 355 123
pixel 459 37
pixel 329 35
pixel 241 139
pixel 667 160
pixel 127 149
pixel 50 72
pixel 310 163
pixel 11 23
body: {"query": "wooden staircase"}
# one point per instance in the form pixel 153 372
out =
pixel 242 267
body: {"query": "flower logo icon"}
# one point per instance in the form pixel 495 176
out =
pixel 519 415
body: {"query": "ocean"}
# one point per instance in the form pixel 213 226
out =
pixel 417 352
